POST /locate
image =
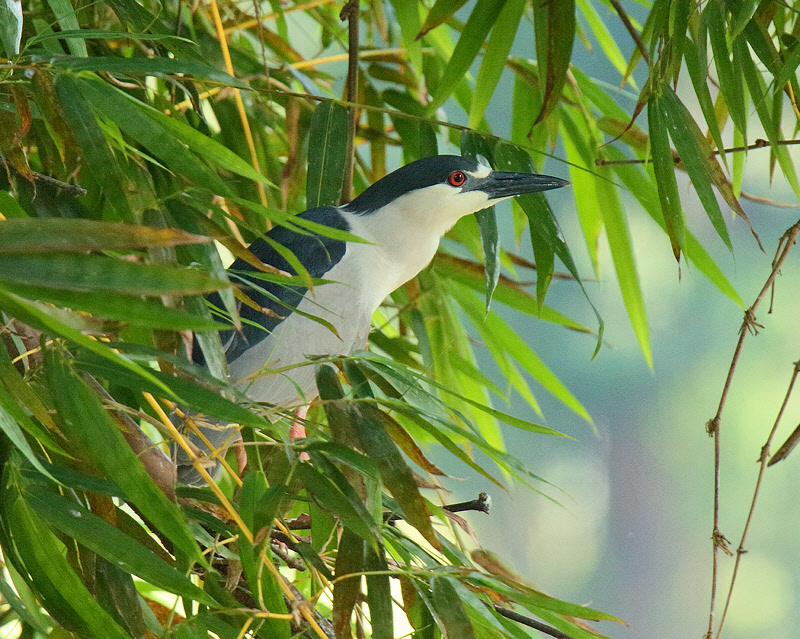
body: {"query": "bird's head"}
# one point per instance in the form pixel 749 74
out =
pixel 439 190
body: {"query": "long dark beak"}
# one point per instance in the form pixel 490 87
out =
pixel 500 184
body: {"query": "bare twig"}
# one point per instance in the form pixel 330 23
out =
pixel 350 12
pixel 760 143
pixel 763 457
pixel 749 325
pixel 71 189
pixel 482 505
pixel 531 623
pixel 631 30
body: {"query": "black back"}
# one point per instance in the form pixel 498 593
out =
pixel 317 253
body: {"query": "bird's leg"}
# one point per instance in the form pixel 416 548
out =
pixel 298 429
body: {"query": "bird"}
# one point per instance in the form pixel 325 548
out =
pixel 401 219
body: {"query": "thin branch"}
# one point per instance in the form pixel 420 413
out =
pixel 531 623
pixel 760 143
pixel 70 189
pixel 350 12
pixel 631 30
pixel 763 458
pixel 749 325
pixel 481 505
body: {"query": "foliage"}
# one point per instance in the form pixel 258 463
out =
pixel 134 133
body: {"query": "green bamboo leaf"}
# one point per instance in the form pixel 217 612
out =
pixel 554 25
pixel 99 34
pixel 480 21
pixel 546 235
pixel 473 146
pixel 11 417
pixel 109 542
pixel 90 273
pixel 132 118
pixel 123 308
pixel 334 494
pixel 619 240
pixel 146 66
pixel 48 320
pixel 516 347
pixel 579 155
pixel 494 58
pixel 730 77
pixel 327 136
pixel 68 21
pixel 455 624
pixel 508 292
pixel 379 595
pixel 202 400
pixel 664 169
pixel 29 615
pixel 258 506
pixel 696 157
pixel 99 161
pixel 644 190
pixel 441 11
pixel 698 72
pixel 92 429
pixel 604 37
pixel 368 423
pixel 44 235
pixel 10 27
pixel 173 132
pixel 407 14
pixel 347 591
pixel 758 91
pixel 62 590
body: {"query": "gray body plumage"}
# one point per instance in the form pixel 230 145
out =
pixel 402 218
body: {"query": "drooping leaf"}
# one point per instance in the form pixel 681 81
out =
pixel 480 21
pixel 554 24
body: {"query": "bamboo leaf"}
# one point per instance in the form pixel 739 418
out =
pixel 730 77
pixel 89 273
pixel 554 25
pixel 440 12
pixel 100 162
pixel 62 590
pixel 68 21
pixel 146 66
pixel 41 235
pixel 480 21
pixel 696 157
pixel 664 169
pixel 379 595
pixel 328 137
pixel 494 59
pixel 619 240
pixel 87 424
pixel 455 622
pixel 109 542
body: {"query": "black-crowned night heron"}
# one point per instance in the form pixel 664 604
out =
pixel 402 217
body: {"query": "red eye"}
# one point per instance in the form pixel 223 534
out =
pixel 457 178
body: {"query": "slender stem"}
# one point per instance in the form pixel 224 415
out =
pixel 71 189
pixel 760 143
pixel 749 325
pixel 633 32
pixel 350 12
